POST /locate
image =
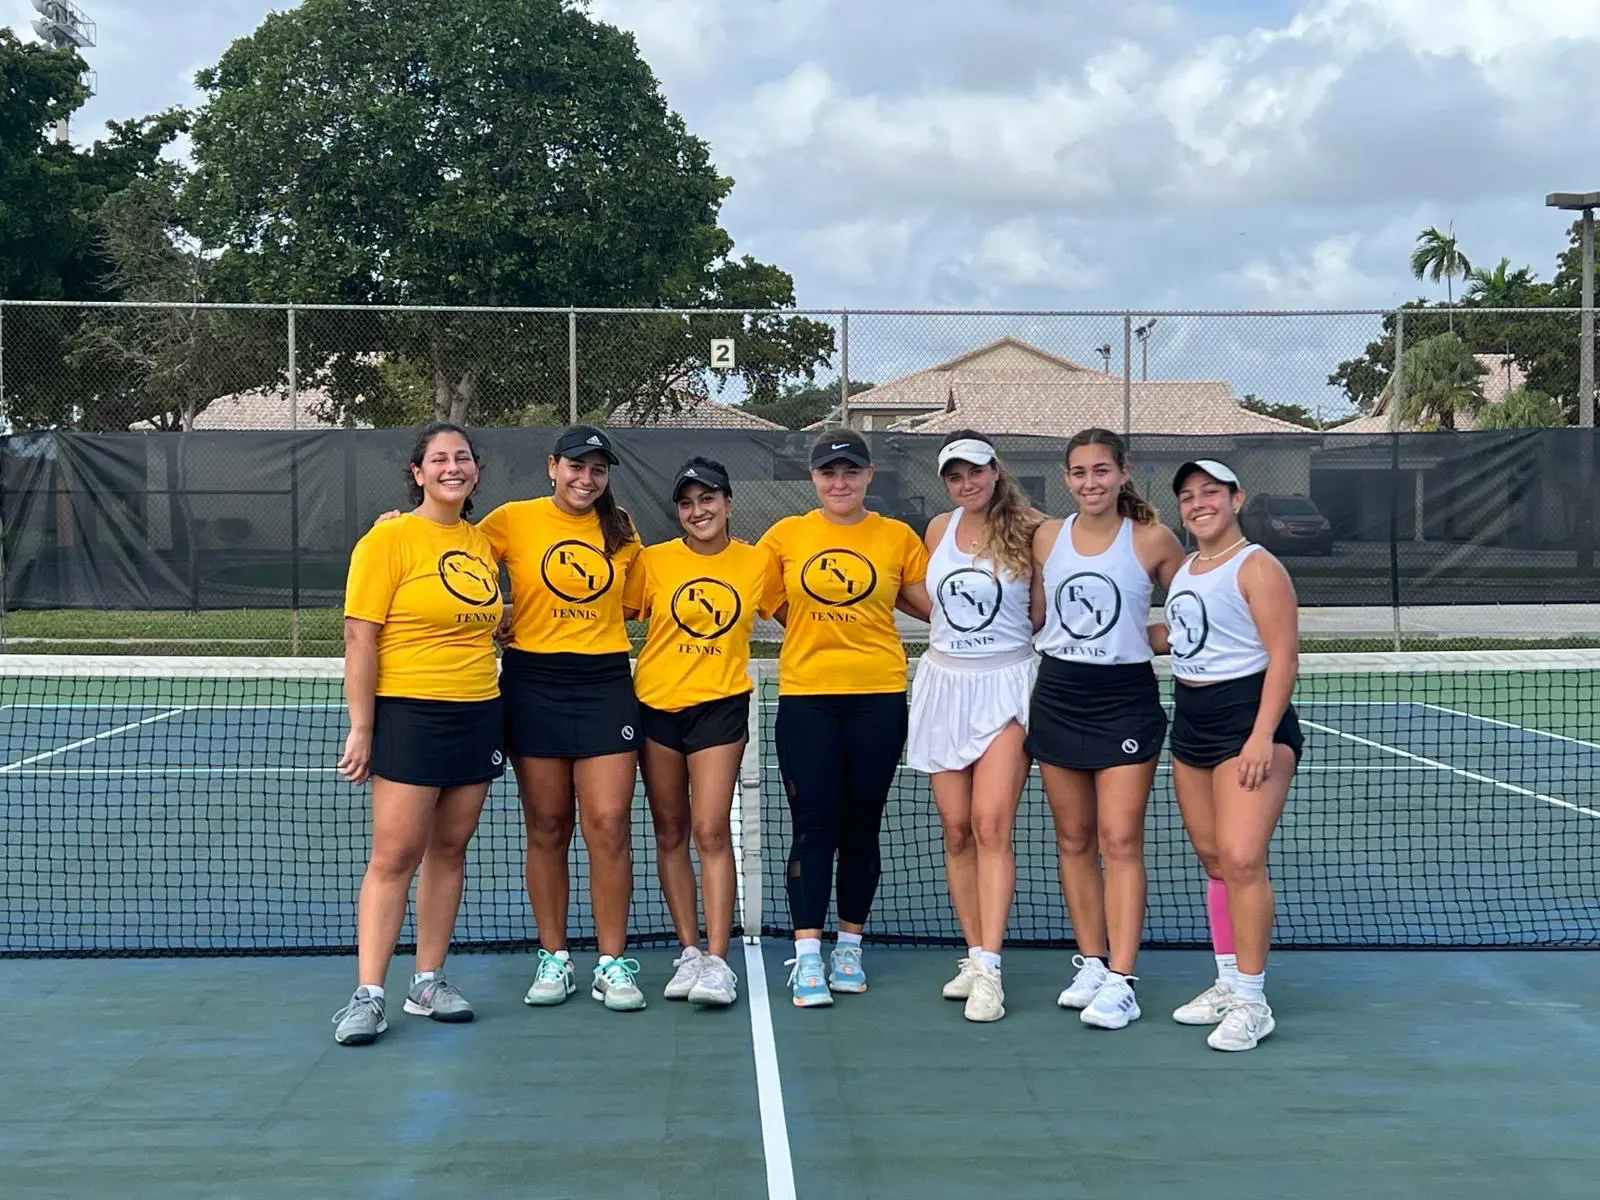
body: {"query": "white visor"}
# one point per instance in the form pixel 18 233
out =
pixel 1221 472
pixel 966 450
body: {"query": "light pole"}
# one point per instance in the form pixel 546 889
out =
pixel 61 25
pixel 1142 332
pixel 1105 353
pixel 1586 203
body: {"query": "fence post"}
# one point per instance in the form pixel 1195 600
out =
pixel 6 418
pixel 1397 396
pixel 1127 377
pixel 844 369
pixel 572 366
pixel 294 491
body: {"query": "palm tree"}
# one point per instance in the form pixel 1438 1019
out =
pixel 1442 378
pixel 1501 287
pixel 1438 256
pixel 1524 408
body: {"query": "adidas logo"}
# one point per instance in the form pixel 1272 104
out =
pixel 689 474
pixel 594 439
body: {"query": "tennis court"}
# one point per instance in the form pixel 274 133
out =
pixel 183 818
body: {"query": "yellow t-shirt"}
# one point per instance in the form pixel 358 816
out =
pixel 566 595
pixel 436 592
pixel 841 582
pixel 702 608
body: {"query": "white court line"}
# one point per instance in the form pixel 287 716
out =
pixel 1473 775
pixel 1559 737
pixel 20 763
pixel 769 1086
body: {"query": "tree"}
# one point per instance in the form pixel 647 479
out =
pixel 478 153
pixel 1442 378
pixel 1295 414
pixel 800 406
pixel 1522 408
pixel 1438 256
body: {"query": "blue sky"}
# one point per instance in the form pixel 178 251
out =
pixel 1081 154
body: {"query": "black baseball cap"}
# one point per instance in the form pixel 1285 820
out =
pixel 844 444
pixel 699 472
pixel 579 440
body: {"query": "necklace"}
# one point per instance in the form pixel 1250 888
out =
pixel 1220 553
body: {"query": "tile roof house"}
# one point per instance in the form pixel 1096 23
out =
pixel 1504 377
pixel 1010 386
pixel 693 412
pixel 263 408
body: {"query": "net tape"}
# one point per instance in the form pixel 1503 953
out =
pixel 190 805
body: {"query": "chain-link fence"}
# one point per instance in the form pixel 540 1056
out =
pixel 178 475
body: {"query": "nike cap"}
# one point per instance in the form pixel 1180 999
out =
pixel 844 444
pixel 1221 472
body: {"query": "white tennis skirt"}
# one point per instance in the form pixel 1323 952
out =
pixel 960 705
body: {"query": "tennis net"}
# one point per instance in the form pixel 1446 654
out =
pixel 170 806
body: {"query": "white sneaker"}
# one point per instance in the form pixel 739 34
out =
pixel 987 1000
pixel 689 964
pixel 1208 1008
pixel 615 984
pixel 1243 1026
pixel 716 984
pixel 1091 974
pixel 553 982
pixel 1113 1006
pixel 960 987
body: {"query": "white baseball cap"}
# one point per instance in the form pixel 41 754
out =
pixel 1221 472
pixel 971 450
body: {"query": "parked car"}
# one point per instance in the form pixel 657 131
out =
pixel 1286 524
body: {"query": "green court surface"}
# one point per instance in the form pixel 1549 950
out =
pixel 1446 1074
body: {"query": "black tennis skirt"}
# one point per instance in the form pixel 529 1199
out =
pixel 1211 723
pixel 720 722
pixel 1087 716
pixel 437 743
pixel 568 705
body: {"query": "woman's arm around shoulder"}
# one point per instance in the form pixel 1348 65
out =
pixel 913 599
pixel 1160 553
pixel 1044 541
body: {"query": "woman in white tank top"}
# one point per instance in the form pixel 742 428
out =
pixel 969 699
pixel 1233 634
pixel 1097 724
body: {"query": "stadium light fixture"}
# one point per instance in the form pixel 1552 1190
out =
pixel 61 25
pixel 1585 203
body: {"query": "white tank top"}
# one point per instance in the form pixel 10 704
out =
pixel 1213 635
pixel 977 610
pixel 1096 605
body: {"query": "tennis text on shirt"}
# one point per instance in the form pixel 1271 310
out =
pixel 435 591
pixel 701 608
pixel 841 583
pixel 566 595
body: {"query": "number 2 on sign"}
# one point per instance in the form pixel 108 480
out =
pixel 722 353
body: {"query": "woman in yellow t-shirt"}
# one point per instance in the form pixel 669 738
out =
pixel 841 722
pixel 702 593
pixel 421 605
pixel 571 717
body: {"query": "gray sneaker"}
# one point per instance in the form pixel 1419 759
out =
pixel 615 985
pixel 437 998
pixel 361 1021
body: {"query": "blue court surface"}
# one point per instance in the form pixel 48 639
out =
pixel 190 825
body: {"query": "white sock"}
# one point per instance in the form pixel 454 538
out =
pixel 973 952
pixel 373 990
pixel 1228 970
pixel 805 946
pixel 850 939
pixel 423 977
pixel 1250 987
pixel 987 960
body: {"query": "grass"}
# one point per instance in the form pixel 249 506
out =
pixel 265 632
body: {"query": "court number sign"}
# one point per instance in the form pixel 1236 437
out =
pixel 722 357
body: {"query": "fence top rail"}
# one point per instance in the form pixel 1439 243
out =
pixel 786 312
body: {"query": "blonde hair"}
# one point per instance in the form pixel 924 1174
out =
pixel 1129 502
pixel 1010 519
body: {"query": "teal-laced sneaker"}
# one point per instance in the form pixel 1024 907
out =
pixel 437 998
pixel 553 981
pixel 844 970
pixel 361 1021
pixel 615 985
pixel 810 988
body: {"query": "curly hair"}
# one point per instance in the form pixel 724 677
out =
pixel 1010 519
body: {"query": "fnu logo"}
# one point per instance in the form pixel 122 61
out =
pixel 576 571
pixel 838 578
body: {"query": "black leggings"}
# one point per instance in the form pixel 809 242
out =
pixel 838 755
